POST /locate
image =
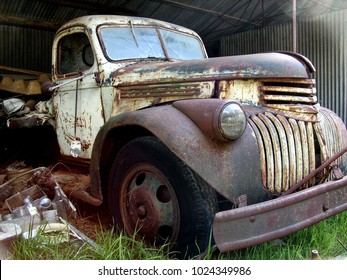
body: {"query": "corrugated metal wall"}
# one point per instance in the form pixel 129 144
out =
pixel 322 39
pixel 26 48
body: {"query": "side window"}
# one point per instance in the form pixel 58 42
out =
pixel 75 54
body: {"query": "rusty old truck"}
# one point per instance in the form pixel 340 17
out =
pixel 182 147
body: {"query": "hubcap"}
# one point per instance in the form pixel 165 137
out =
pixel 149 205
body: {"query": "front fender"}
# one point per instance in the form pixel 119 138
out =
pixel 231 168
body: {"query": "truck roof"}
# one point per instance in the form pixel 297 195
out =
pixel 92 21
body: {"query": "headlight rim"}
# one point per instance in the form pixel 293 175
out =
pixel 222 136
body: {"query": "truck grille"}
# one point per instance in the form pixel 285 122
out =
pixel 295 95
pixel 290 149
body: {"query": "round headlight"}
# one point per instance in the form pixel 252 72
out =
pixel 232 121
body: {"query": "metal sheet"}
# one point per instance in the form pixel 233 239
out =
pixel 239 67
pixel 26 48
pixel 255 224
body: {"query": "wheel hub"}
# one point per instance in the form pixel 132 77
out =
pixel 142 212
pixel 149 205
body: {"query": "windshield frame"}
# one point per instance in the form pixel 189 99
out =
pixel 158 30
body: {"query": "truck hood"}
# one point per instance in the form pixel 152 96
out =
pixel 262 65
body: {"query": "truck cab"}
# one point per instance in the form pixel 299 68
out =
pixel 92 51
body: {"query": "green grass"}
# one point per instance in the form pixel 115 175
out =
pixel 109 247
pixel 327 237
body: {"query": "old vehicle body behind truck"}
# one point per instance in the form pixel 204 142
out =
pixel 178 144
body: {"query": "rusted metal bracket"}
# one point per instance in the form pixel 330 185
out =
pixel 337 172
pixel 97 77
pixel 51 87
pixel 240 201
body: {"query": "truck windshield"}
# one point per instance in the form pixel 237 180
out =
pixel 143 42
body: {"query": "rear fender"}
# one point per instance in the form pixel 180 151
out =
pixel 231 168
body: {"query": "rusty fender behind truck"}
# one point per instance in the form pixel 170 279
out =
pixel 178 143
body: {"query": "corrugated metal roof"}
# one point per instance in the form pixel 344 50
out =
pixel 211 19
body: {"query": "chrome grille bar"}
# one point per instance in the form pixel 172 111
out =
pixel 291 149
pixel 288 148
pixel 266 152
pixel 334 137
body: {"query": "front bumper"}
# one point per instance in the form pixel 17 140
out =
pixel 255 224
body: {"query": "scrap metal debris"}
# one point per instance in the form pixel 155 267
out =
pixel 33 201
pixel 81 235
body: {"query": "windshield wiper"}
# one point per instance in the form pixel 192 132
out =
pixel 133 32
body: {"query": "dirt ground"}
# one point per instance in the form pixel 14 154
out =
pixel 91 219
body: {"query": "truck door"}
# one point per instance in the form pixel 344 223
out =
pixel 77 102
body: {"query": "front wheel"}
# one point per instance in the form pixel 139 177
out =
pixel 154 194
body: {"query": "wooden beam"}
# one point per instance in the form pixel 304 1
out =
pixel 29 23
pixel 25 71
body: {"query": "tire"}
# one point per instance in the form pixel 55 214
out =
pixel 153 193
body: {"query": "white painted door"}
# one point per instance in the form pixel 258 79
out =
pixel 78 104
